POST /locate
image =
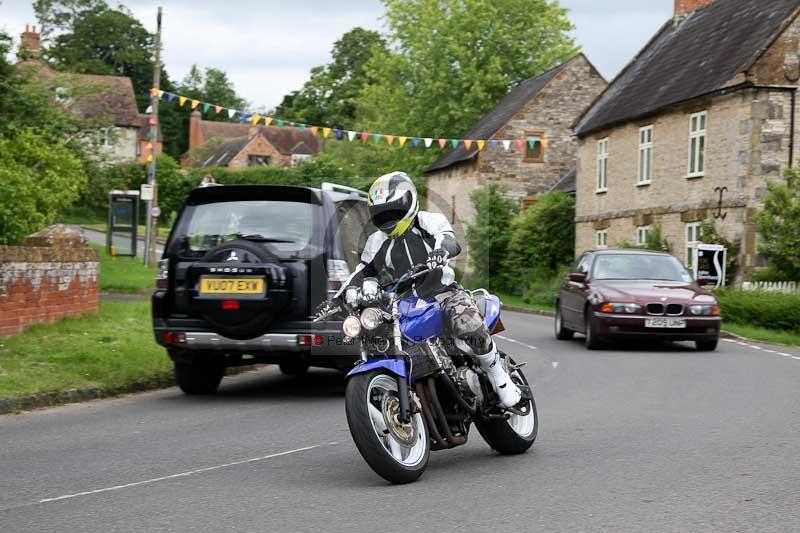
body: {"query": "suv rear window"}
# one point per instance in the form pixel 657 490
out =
pixel 287 226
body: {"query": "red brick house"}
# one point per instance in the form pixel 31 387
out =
pixel 241 145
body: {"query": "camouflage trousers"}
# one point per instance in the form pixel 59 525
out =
pixel 463 320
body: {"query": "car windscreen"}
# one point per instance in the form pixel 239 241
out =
pixel 286 226
pixel 640 267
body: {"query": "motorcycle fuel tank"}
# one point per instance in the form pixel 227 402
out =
pixel 421 319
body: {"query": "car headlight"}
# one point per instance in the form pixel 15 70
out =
pixel 351 327
pixel 628 309
pixel 704 310
pixel 371 318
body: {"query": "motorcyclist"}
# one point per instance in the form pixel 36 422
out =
pixel 408 237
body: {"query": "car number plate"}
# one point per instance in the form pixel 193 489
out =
pixel 665 323
pixel 231 285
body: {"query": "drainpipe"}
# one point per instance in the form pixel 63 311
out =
pixel 791 130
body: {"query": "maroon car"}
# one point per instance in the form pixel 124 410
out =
pixel 635 293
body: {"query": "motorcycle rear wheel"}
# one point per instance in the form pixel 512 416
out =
pixel 397 452
pixel 516 434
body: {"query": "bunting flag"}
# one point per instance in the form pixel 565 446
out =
pixel 363 136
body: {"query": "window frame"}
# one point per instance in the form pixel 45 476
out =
pixel 528 135
pixel 691 245
pixel 642 231
pixel 601 239
pixel 601 176
pixel 645 146
pixel 698 136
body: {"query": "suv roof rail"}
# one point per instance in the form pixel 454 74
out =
pixel 327 186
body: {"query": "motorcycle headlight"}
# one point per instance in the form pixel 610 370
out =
pixel 351 327
pixel 371 318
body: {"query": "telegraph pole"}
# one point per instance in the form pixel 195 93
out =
pixel 151 228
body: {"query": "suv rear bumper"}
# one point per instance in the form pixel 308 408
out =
pixel 316 339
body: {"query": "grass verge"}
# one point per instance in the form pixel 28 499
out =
pixel 755 333
pixel 513 300
pixel 126 275
pixel 108 352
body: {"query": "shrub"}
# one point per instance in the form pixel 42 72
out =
pixel 39 179
pixel 542 239
pixel 768 310
pixel 542 289
pixel 779 224
pixel 654 242
pixel 489 236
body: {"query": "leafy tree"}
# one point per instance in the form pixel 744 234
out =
pixel 450 61
pixel 329 96
pixel 488 237
pixel 779 224
pixel 56 16
pixel 542 239
pixel 39 179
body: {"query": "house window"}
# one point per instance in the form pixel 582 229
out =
pixel 693 236
pixel 534 152
pixel 602 165
pixel 105 137
pixel 601 239
pixel 258 160
pixel 645 155
pixel 697 144
pixel 641 235
pixel 299 159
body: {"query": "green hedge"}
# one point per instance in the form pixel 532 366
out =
pixel 763 309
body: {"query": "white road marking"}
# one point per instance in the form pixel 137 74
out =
pixel 184 474
pixel 761 348
pixel 528 346
pixel 555 364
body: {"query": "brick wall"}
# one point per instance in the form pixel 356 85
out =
pixel 259 146
pixel 43 284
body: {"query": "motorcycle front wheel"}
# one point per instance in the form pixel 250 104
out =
pixel 515 434
pixel 396 451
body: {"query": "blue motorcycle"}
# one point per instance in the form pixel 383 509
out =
pixel 416 391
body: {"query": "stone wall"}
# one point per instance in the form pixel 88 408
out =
pixel 748 137
pixel 53 276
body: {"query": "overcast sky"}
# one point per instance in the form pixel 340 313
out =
pixel 268 47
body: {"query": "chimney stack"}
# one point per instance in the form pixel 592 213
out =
pixel 31 44
pixel 195 135
pixel 684 7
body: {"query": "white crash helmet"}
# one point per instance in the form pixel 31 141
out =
pixel 393 203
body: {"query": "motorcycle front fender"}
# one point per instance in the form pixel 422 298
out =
pixel 394 366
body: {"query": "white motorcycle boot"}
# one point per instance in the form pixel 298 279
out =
pixel 507 390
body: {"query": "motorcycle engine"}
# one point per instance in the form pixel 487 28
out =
pixel 469 383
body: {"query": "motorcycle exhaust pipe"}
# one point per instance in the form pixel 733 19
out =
pixel 451 388
pixel 426 412
pixel 441 417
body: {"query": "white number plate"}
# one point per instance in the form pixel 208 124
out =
pixel 665 323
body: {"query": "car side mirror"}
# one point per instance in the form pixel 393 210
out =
pixel 577 277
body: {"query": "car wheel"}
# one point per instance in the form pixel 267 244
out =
pixel 707 345
pixel 562 333
pixel 294 367
pixel 199 379
pixel 593 342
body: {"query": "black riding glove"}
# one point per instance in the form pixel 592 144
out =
pixel 437 258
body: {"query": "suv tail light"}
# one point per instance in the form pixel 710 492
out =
pixel 162 274
pixel 338 272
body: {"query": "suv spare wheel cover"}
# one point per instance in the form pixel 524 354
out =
pixel 256 312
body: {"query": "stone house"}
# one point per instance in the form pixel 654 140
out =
pixel 115 129
pixel 692 129
pixel 241 145
pixel 543 107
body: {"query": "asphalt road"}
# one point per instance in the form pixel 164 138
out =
pixel 631 439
